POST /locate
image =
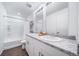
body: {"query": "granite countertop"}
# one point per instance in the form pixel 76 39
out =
pixel 66 45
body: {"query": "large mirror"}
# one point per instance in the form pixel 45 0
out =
pixel 53 18
pixel 39 20
pixel 57 18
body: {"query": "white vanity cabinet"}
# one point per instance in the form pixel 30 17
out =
pixel 31 49
pixel 35 47
pixel 32 46
pixel 42 49
pixel 29 46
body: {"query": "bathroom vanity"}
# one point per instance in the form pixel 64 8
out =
pixel 49 46
pixel 57 21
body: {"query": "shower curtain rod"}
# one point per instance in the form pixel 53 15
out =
pixel 13 17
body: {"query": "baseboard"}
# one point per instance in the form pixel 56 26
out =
pixel 12 44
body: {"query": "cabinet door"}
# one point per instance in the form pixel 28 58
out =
pixel 38 48
pixel 51 51
pixel 29 45
pixel 37 51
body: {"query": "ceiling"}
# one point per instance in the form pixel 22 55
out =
pixel 25 9
pixel 57 6
pixel 21 8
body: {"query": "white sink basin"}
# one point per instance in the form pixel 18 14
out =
pixel 50 38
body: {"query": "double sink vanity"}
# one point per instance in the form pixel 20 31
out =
pixel 62 21
pixel 47 45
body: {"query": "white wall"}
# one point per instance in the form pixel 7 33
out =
pixel 78 23
pixel 26 28
pixel 58 22
pixel 3 27
pixel 39 27
pixel 73 18
pixel 15 29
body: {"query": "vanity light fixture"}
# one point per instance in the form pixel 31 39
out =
pixel 48 3
pixel 28 5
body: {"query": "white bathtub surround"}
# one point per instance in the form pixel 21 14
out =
pixel 3 26
pixel 15 32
